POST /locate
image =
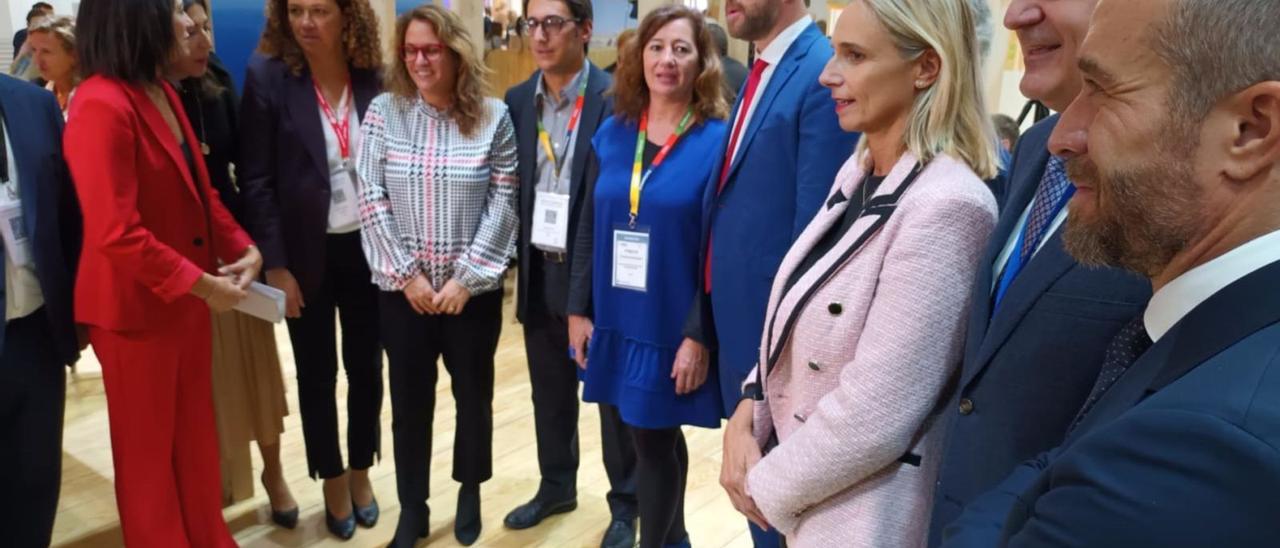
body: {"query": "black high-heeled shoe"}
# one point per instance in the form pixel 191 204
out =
pixel 284 518
pixel 367 517
pixel 466 526
pixel 342 528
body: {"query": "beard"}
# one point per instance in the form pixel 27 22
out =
pixel 1145 214
pixel 756 22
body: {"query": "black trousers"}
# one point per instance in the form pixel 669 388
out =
pixel 553 378
pixel 415 342
pixel 32 398
pixel 346 291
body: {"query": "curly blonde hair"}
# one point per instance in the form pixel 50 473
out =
pixel 469 91
pixel 360 40
pixel 631 93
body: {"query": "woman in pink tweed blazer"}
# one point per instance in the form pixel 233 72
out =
pixel 865 322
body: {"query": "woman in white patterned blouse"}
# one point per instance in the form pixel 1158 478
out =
pixel 438 212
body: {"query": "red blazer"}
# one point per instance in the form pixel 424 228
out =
pixel 150 230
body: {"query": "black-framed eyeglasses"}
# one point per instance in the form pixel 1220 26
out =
pixel 551 24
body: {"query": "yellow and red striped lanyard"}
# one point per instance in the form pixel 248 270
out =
pixel 545 138
pixel 341 125
pixel 637 180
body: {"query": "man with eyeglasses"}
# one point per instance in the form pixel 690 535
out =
pixel 556 111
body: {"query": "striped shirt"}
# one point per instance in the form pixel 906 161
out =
pixel 433 200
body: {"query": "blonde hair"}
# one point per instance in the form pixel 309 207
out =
pixel 469 91
pixel 63 27
pixel 950 116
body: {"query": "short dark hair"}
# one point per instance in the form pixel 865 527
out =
pixel 720 38
pixel 42 6
pixel 1006 128
pixel 34 13
pixel 129 40
pixel 579 9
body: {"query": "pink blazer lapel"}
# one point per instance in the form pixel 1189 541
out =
pixel 784 306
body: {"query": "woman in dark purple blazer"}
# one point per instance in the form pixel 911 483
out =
pixel 306 90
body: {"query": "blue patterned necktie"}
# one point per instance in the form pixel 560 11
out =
pixel 1048 201
pixel 1129 344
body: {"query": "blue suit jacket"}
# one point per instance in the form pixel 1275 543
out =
pixel 1029 366
pixel 49 206
pixel 1182 451
pixel 787 161
pixel 596 108
pixel 284 170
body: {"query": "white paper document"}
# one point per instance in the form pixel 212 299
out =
pixel 263 302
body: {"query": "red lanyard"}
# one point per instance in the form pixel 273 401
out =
pixel 341 126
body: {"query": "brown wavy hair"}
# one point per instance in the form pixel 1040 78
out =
pixel 360 40
pixel 631 93
pixel 469 90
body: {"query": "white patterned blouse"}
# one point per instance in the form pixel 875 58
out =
pixel 433 200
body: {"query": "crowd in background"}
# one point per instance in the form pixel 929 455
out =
pixel 916 326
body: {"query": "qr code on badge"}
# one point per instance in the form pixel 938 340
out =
pixel 19 230
pixel 339 196
pixel 549 217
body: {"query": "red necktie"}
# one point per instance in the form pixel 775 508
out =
pixel 744 108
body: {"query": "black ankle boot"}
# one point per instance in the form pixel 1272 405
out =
pixel 412 526
pixel 466 527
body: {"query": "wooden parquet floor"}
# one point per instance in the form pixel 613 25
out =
pixel 87 511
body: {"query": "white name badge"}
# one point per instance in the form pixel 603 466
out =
pixel 550 221
pixel 631 258
pixel 17 243
pixel 344 203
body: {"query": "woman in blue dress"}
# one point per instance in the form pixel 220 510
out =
pixel 636 254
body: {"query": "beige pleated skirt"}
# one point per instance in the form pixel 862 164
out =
pixel 248 387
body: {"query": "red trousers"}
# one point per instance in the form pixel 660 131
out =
pixel 163 438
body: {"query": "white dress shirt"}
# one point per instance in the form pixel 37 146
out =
pixel 334 152
pixel 772 55
pixel 21 287
pixel 1182 295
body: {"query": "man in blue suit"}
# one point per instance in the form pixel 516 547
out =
pixel 41 246
pixel 1039 321
pixel 1174 148
pixel 780 160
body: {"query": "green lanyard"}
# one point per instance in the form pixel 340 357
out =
pixel 545 138
pixel 638 181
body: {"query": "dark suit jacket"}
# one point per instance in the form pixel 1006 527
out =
pixel 1029 366
pixel 214 119
pixel 49 206
pixel 735 76
pixel 1180 452
pixel 524 114
pixel 787 160
pixel 284 170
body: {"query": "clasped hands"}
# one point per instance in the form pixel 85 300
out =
pixel 741 453
pixel 224 291
pixel 425 300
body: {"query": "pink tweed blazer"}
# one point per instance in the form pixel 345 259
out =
pixel 855 393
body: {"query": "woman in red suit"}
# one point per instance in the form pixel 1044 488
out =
pixel 155 235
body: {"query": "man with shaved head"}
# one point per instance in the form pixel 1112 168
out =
pixel 1173 147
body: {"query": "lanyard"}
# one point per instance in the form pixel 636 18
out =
pixel 1015 262
pixel 545 138
pixel 638 181
pixel 341 126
